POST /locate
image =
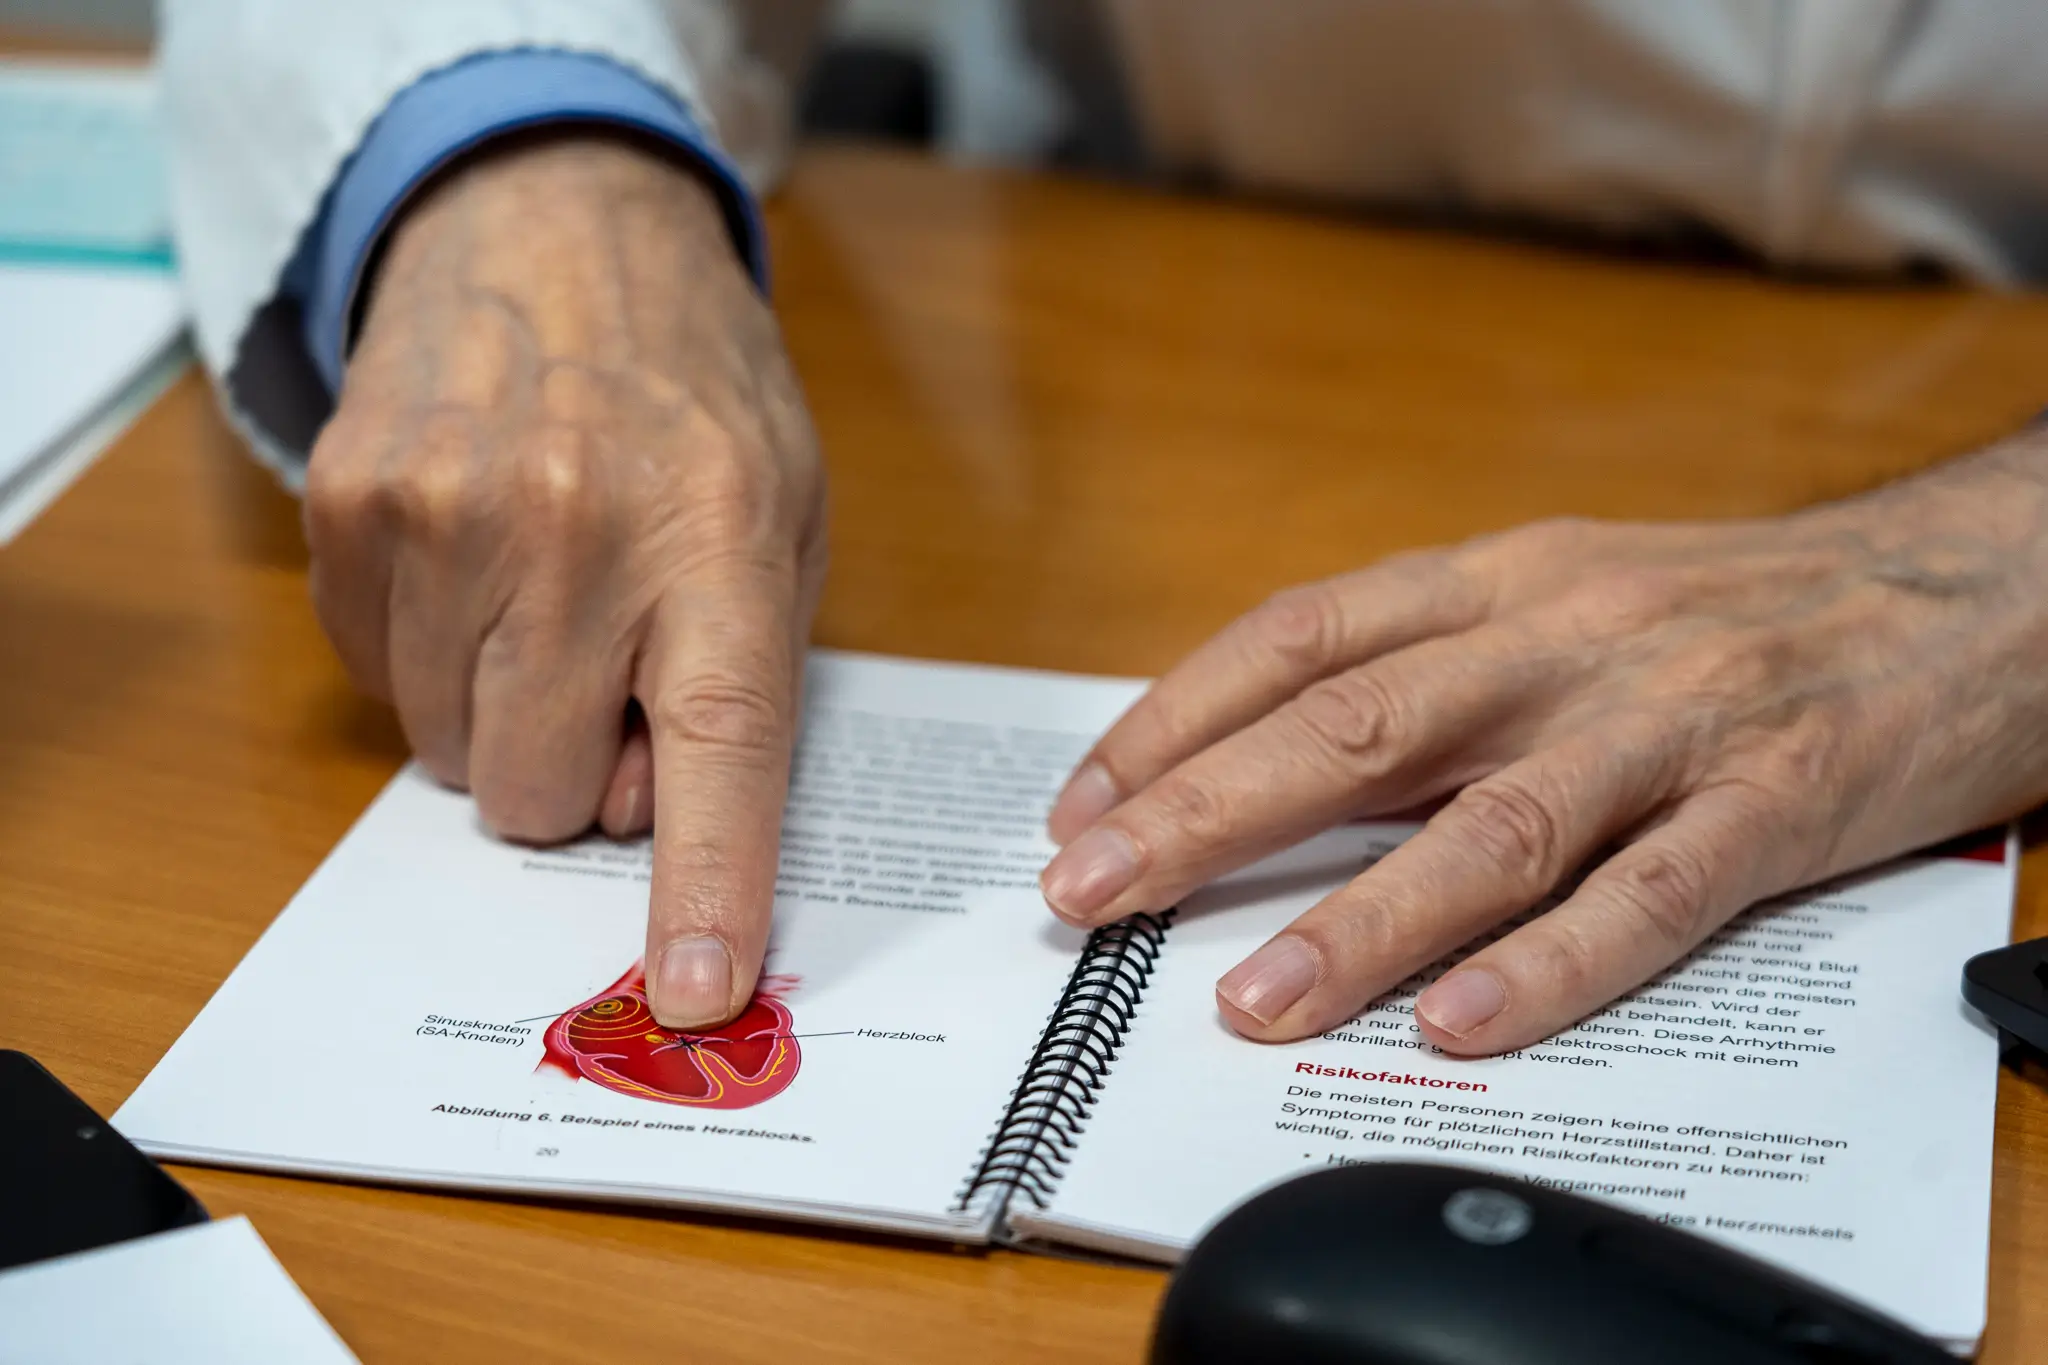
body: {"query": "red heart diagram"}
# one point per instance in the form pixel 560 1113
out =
pixel 612 1039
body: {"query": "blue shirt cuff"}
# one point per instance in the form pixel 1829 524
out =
pixel 455 109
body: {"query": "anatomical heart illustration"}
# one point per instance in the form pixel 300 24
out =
pixel 612 1039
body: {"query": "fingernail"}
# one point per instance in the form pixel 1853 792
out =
pixel 631 814
pixel 1463 1001
pixel 1089 795
pixel 694 986
pixel 622 819
pixel 1266 984
pixel 1089 873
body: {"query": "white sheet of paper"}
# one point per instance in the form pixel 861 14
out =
pixel 1809 1087
pixel 206 1295
pixel 73 341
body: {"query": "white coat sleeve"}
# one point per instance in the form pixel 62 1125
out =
pixel 264 100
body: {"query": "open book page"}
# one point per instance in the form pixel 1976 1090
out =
pixel 441 1008
pixel 1808 1087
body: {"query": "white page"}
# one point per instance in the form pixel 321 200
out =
pixel 392 1023
pixel 72 341
pixel 205 1295
pixel 89 310
pixel 1872 1171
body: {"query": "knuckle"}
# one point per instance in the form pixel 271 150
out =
pixel 336 482
pixel 1191 808
pixel 1804 759
pixel 1130 752
pixel 560 481
pixel 1565 959
pixel 1354 942
pixel 1528 561
pixel 1354 719
pixel 1782 782
pixel 1512 826
pixel 1790 803
pixel 1301 626
pixel 341 487
pixel 731 490
pixel 1667 888
pixel 701 871
pixel 1624 600
pixel 1714 672
pixel 722 713
pixel 433 492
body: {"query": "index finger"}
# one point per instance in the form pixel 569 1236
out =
pixel 720 696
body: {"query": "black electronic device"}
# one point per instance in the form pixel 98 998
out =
pixel 1407 1264
pixel 68 1181
pixel 2009 986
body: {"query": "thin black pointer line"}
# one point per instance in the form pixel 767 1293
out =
pixel 695 1039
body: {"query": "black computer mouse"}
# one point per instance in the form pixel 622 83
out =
pixel 1408 1264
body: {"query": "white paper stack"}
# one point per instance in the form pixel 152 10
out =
pixel 90 313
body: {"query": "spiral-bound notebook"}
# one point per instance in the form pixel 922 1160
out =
pixel 931 1053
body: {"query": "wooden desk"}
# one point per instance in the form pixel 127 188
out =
pixel 1069 426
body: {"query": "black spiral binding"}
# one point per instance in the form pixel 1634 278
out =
pixel 1030 1148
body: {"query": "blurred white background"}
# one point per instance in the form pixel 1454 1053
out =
pixel 993 103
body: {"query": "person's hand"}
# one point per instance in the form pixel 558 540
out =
pixel 571 469
pixel 1702 715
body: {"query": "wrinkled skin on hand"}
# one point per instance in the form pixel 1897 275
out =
pixel 570 469
pixel 1697 716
